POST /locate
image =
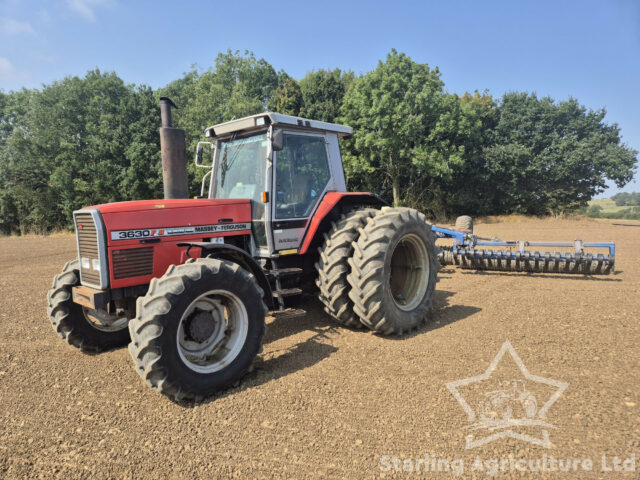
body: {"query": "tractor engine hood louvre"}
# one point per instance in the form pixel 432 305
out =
pixel 91 242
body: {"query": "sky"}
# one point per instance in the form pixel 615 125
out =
pixel 586 49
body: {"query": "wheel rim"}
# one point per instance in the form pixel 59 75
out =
pixel 104 321
pixel 409 272
pixel 212 331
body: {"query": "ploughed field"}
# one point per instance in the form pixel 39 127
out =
pixel 325 401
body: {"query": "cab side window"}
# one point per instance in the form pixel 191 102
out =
pixel 302 173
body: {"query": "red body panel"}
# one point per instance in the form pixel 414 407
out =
pixel 328 203
pixel 158 215
pixel 143 205
pixel 165 254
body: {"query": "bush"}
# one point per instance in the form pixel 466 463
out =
pixel 594 211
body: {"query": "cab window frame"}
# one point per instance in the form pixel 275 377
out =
pixel 319 194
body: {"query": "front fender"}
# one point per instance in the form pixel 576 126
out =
pixel 239 256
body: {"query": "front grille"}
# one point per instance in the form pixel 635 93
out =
pixel 88 249
pixel 132 262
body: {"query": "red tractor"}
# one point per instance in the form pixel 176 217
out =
pixel 188 282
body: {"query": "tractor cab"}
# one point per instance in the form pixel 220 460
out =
pixel 283 164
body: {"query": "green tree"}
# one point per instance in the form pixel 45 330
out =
pixel 79 141
pixel 624 199
pixel 552 157
pixel 323 92
pixel 459 136
pixel 398 113
pixel 287 97
pixel 470 188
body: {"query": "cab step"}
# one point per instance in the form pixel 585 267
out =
pixel 288 313
pixel 284 272
pixel 287 292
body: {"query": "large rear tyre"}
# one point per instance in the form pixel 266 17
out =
pixel 89 330
pixel 198 329
pixel 393 271
pixel 333 266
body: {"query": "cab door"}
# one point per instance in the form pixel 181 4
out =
pixel 301 177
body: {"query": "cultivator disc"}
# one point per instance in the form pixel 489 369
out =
pixel 534 262
pixel 480 253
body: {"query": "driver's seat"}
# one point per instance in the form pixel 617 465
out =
pixel 301 193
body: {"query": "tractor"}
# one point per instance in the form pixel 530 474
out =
pixel 187 282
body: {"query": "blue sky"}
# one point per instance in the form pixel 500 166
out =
pixel 586 49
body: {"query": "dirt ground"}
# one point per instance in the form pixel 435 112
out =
pixel 332 402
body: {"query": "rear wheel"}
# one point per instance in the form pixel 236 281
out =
pixel 333 266
pixel 198 329
pixel 393 271
pixel 83 328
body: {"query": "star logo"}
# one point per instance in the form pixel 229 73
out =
pixel 512 409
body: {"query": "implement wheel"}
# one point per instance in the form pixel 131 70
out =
pixel 198 329
pixel 464 223
pixel 393 271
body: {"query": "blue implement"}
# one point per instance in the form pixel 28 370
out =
pixel 479 253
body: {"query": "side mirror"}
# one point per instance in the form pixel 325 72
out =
pixel 200 153
pixel 277 140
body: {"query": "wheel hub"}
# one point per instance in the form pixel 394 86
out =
pixel 201 326
pixel 212 331
pixel 409 276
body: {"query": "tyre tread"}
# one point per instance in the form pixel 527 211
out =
pixel 63 311
pixel 367 263
pixel 333 266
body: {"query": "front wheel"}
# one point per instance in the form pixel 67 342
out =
pixel 198 329
pixel 88 330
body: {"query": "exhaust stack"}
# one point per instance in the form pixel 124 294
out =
pixel 174 154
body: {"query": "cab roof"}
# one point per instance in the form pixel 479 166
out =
pixel 260 120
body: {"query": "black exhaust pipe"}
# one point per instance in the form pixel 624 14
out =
pixel 174 154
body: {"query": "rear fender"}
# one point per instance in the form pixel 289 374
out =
pixel 333 204
pixel 236 255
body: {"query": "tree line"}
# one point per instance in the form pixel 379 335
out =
pixel 626 199
pixel 83 141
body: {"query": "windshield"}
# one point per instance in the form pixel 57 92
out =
pixel 241 168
